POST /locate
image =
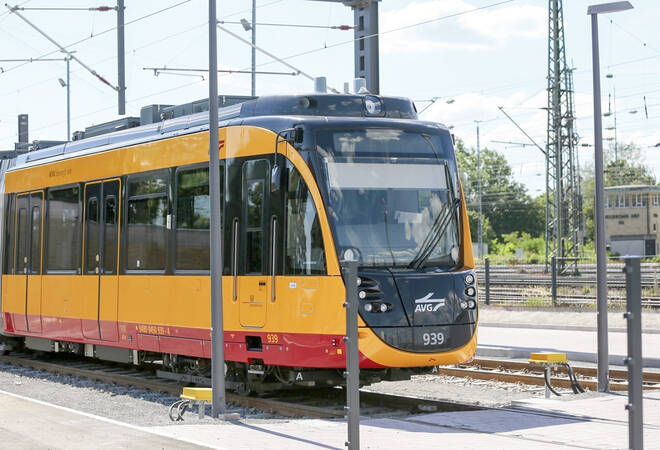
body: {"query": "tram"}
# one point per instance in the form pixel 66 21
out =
pixel 105 241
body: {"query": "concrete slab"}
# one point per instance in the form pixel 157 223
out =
pixel 578 345
pixel 32 424
pixel 592 422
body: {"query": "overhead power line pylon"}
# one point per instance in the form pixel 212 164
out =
pixel 564 231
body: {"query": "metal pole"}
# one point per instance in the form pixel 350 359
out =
pixel 601 255
pixel 254 50
pixel 634 359
pixel 349 271
pixel 554 281
pixel 68 99
pixel 121 70
pixel 480 228
pixel 217 330
pixel 487 270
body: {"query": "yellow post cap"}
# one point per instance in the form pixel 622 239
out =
pixel 197 394
pixel 547 358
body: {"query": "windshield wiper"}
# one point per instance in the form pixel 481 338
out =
pixel 438 228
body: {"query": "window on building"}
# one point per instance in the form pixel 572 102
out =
pixel 620 201
pixel 609 203
pixel 146 246
pixel 655 227
pixel 63 244
pixel 656 200
pixel 305 254
pixel 193 217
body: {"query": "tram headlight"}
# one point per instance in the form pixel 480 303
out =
pixel 471 304
pixel 368 307
pixel 362 294
pixel 471 291
pixel 383 307
pixel 372 105
pixel 469 279
pixel 464 304
pixel 359 281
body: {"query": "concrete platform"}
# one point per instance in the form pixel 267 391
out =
pixel 581 346
pixel 32 424
pixel 595 422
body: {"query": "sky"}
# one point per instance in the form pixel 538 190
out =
pixel 471 56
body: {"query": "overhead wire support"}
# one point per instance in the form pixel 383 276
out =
pixel 291 25
pixel 523 131
pixel 267 53
pixel 98 8
pixel 62 49
pixel 159 70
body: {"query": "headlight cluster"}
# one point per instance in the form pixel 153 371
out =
pixel 376 307
pixel 470 291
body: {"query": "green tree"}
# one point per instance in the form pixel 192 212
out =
pixel 506 206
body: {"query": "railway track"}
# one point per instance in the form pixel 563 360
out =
pixel 314 403
pixel 525 373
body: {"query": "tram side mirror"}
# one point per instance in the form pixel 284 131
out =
pixel 275 177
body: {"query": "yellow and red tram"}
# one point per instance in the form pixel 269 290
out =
pixel 106 241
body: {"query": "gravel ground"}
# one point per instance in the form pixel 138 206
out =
pixel 135 406
pixel 561 317
pixel 146 408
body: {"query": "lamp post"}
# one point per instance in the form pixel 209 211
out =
pixel 601 255
pixel 67 85
pixel 480 227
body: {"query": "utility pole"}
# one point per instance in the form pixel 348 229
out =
pixel 121 63
pixel 563 236
pixel 254 48
pixel 480 228
pixel 217 327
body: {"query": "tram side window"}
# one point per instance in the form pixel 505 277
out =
pixel 10 234
pixel 193 217
pixel 305 254
pixel 146 246
pixel 63 230
pixel 254 224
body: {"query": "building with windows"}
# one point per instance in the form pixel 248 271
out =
pixel 632 216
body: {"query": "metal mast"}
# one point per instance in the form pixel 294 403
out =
pixel 563 205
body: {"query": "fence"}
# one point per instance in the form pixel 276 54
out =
pixel 532 285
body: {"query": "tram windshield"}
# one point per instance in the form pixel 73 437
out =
pixel 389 197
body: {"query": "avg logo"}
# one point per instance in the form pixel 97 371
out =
pixel 429 304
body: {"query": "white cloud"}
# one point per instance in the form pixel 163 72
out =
pixel 497 24
pixel 392 44
pixel 508 22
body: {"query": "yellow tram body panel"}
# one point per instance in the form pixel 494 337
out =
pixel 303 304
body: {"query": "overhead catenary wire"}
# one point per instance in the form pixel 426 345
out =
pixel 108 30
pixel 62 49
pixel 267 53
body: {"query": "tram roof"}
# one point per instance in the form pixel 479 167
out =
pixel 286 107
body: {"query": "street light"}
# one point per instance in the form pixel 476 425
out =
pixel 67 85
pixel 601 255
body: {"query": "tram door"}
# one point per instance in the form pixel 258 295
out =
pixel 29 224
pixel 254 286
pixel 100 268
